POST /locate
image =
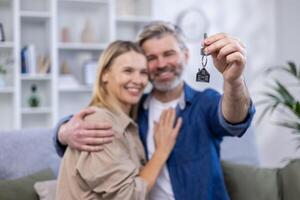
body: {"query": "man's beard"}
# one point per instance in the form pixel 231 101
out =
pixel 165 86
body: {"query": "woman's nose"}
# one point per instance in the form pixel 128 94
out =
pixel 137 78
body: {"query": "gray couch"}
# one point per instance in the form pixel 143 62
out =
pixel 27 152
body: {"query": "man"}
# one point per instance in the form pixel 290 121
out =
pixel 193 170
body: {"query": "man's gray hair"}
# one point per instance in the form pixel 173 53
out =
pixel 158 29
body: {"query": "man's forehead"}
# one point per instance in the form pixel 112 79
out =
pixel 164 42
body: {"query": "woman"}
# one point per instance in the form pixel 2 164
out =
pixel 117 172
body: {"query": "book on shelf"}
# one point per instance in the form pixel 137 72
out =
pixel 43 65
pixel 28 60
pixel 23 60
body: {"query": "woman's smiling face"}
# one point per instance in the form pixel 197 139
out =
pixel 126 78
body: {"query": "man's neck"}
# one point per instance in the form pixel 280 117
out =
pixel 167 96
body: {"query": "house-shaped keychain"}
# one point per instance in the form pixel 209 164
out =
pixel 202 75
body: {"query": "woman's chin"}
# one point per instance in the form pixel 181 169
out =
pixel 133 100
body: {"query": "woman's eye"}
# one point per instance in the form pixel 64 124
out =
pixel 144 73
pixel 128 70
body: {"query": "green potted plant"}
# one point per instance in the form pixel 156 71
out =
pixel 283 97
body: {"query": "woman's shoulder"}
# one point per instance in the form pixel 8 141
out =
pixel 101 114
pixel 105 115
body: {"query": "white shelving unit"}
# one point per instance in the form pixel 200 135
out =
pixel 39 110
pixel 36 77
pixel 55 29
pixel 8 92
pixel 36 28
pixel 6 45
pixel 35 14
pixel 130 19
pixel 74 16
pixel 81 46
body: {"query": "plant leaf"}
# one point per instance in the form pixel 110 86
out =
pixel 292 68
pixel 292 125
pixel 264 112
pixel 280 99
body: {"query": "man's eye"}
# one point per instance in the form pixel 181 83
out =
pixel 150 58
pixel 169 54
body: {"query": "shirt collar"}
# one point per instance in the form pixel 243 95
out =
pixel 186 97
pixel 123 120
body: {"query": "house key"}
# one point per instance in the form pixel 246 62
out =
pixel 202 74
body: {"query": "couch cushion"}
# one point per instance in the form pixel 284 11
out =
pixel 289 179
pixel 22 188
pixel 26 152
pixel 248 183
pixel 46 189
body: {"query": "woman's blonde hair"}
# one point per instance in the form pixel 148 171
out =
pixel 107 58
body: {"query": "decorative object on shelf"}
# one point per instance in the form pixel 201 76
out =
pixel 65 35
pixel 43 64
pixel 193 23
pixel 126 7
pixel 34 100
pixel 88 34
pixel 65 68
pixel 2 35
pixel 5 72
pixel 68 82
pixel 2 75
pixel 283 98
pixel 90 71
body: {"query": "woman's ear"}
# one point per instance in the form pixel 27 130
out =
pixel 105 76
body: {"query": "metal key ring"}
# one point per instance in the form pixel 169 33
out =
pixel 204 61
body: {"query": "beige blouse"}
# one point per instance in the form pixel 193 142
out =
pixel 108 174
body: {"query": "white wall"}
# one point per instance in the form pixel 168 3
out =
pixel 269 29
pixel 276 144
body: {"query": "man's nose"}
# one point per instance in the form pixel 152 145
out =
pixel 161 62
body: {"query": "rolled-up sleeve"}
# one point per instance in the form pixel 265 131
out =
pixel 239 128
pixel 60 149
pixel 111 173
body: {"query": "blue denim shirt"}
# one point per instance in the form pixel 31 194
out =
pixel 194 164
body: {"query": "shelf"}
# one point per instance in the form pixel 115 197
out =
pixel 6 90
pixel 6 45
pixel 82 46
pixel 42 23
pixel 38 110
pixel 35 15
pixel 76 89
pixel 36 77
pixel 84 1
pixel 133 19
